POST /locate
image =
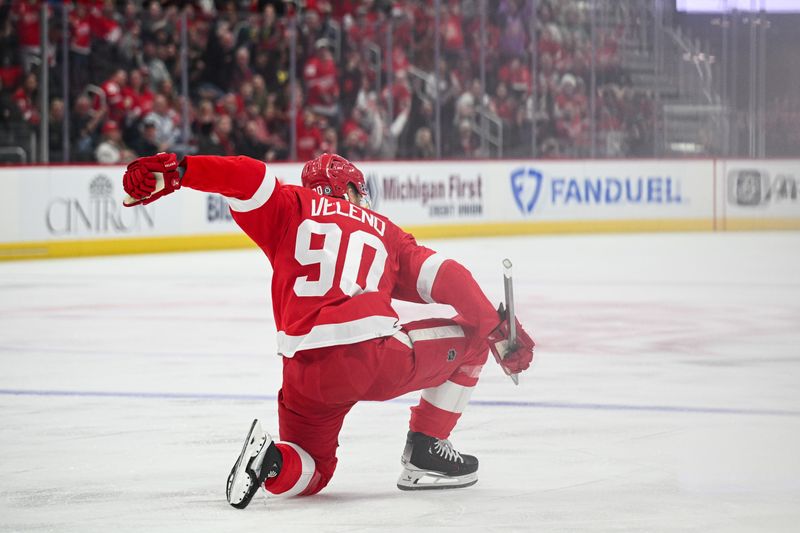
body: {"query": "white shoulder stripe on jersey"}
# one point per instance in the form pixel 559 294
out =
pixel 439 332
pixel 260 197
pixel 448 396
pixel 427 275
pixel 362 329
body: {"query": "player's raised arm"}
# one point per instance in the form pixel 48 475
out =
pixel 255 198
pixel 240 179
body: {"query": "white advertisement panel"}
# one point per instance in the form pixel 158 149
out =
pixel 430 193
pixel 64 203
pixel 85 202
pixel 78 203
pixel 507 191
pixel 760 189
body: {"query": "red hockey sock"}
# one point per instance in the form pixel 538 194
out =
pixel 297 471
pixel 290 471
pixel 428 419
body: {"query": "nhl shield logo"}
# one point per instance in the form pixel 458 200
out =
pixel 526 184
pixel 451 354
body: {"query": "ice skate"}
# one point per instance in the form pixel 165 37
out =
pixel 430 463
pixel 260 459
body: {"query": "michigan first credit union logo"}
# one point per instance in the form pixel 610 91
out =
pixel 532 188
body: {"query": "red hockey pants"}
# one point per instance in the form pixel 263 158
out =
pixel 321 386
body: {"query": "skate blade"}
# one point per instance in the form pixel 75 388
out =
pixel 426 480
pixel 240 481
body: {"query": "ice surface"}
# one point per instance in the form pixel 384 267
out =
pixel 665 394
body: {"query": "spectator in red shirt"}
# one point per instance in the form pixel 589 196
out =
pixel 571 126
pixel 322 81
pixel 106 34
pixel 452 31
pixel 352 77
pixel 330 141
pixel 344 8
pixel 309 137
pixel 255 116
pixel 232 104
pixel 115 100
pixel 550 40
pixel 565 58
pixel 104 25
pixel 270 30
pixel 80 46
pixel 400 93
pixel 25 98
pixel 363 28
pixel 137 97
pixel 503 105
pixel 607 53
pixel 354 138
pixel 567 95
pixel 27 14
pixel 516 76
pixel 278 131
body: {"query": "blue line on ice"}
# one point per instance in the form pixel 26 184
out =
pixel 410 401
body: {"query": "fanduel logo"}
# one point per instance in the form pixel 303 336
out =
pixel 531 189
pixel 526 183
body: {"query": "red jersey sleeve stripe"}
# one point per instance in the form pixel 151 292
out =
pixel 427 276
pixel 259 198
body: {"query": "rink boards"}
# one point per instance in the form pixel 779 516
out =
pixel 59 211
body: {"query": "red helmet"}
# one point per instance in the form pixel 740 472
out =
pixel 329 175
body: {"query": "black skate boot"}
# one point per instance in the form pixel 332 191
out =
pixel 430 463
pixel 260 459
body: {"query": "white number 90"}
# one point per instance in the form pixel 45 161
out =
pixel 326 257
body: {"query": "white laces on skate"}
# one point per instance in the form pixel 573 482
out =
pixel 445 449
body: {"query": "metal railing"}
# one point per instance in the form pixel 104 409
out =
pixel 17 151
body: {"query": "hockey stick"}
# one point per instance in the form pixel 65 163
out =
pixel 508 284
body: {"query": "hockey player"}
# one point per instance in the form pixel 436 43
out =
pixel 337 265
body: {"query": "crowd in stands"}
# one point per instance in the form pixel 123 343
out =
pixel 126 74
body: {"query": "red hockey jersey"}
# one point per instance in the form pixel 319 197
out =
pixel 336 266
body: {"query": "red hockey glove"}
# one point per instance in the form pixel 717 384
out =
pixel 514 359
pixel 149 178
